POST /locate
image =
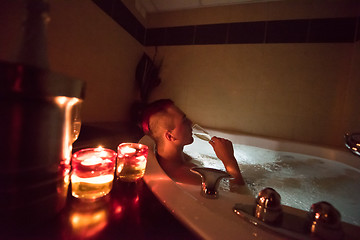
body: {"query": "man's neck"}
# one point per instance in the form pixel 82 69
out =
pixel 174 162
pixel 171 154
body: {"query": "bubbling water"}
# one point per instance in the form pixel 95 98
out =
pixel 300 179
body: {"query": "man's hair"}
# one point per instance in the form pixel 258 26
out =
pixel 153 108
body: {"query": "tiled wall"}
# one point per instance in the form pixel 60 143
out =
pixel 290 75
pixel 344 29
pixel 121 14
pixel 283 31
pixel 85 44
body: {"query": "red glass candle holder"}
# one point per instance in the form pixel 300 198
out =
pixel 131 161
pixel 93 172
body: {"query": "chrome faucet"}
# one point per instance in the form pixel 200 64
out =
pixel 268 206
pixel 325 221
pixel 352 142
pixel 210 180
pixel 322 221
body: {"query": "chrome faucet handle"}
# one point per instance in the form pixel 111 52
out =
pixel 210 180
pixel 325 221
pixel 268 206
pixel 352 142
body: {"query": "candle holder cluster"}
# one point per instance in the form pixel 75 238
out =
pixel 94 169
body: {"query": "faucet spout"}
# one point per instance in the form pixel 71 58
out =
pixel 352 142
pixel 210 180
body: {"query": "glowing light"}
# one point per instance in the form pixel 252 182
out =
pixel 73 101
pixel 92 161
pixel 131 162
pixel 128 150
pixel 67 179
pixel 94 180
pixel 136 200
pixel 99 149
pixel 61 100
pixel 89 223
pixel 93 172
pixel 66 103
pixel 118 210
pixel 66 172
pixel 141 158
pixel 313 226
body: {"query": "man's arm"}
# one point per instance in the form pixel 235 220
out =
pixel 225 152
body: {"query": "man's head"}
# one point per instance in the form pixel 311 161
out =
pixel 165 122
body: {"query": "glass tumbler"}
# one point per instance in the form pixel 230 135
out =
pixel 131 161
pixel 93 172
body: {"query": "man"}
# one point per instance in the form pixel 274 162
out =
pixel 172 130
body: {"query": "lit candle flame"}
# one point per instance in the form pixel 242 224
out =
pixel 99 149
pixel 91 161
pixel 128 150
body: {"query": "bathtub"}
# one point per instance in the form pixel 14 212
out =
pixel 215 218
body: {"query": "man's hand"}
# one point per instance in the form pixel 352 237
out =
pixel 224 150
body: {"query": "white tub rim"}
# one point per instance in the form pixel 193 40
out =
pixel 192 212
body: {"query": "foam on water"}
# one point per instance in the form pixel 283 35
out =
pixel 300 179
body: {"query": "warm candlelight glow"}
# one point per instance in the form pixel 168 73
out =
pixel 88 224
pixel 94 180
pixel 141 158
pixel 92 161
pixel 93 172
pixel 99 149
pixel 118 210
pixel 128 150
pixel 60 100
pixel 131 161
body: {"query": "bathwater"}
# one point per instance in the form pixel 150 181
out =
pixel 300 179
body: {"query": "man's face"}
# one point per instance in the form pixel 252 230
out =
pixel 183 126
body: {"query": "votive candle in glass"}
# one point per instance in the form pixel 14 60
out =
pixel 131 161
pixel 93 172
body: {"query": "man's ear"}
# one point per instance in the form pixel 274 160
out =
pixel 169 136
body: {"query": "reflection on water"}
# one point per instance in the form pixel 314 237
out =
pixel 301 180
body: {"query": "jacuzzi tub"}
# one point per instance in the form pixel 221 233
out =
pixel 215 218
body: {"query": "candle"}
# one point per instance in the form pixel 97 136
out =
pixel 131 161
pixel 93 172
